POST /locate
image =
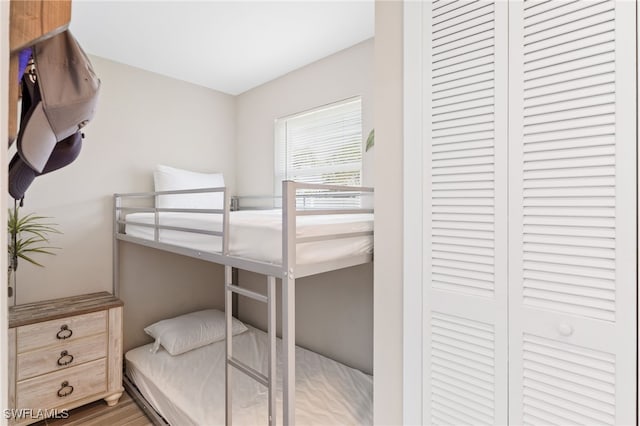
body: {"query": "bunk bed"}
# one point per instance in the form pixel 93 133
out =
pixel 311 240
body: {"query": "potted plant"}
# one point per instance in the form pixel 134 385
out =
pixel 28 236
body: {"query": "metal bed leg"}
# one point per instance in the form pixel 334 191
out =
pixel 271 329
pixel 228 276
pixel 289 349
pixel 235 302
pixel 289 301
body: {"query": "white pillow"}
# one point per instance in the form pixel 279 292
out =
pixel 169 179
pixel 190 331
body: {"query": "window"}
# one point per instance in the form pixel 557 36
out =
pixel 324 146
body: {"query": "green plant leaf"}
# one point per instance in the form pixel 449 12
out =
pixel 28 235
pixel 30 260
pixel 370 140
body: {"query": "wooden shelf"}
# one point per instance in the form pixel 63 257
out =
pixel 31 21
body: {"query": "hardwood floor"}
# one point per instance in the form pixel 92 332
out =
pixel 125 413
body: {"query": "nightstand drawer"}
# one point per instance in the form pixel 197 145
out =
pixel 68 329
pixel 63 387
pixel 61 356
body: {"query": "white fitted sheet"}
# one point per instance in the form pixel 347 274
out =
pixel 188 389
pixel 257 234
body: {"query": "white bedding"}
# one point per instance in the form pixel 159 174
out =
pixel 257 234
pixel 188 389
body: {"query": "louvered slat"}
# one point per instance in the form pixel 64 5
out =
pixel 568 382
pixel 462 374
pixel 559 140
pixel 543 7
pixel 563 18
pixel 587 19
pixel 462 150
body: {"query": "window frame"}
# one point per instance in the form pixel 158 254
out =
pixel 280 143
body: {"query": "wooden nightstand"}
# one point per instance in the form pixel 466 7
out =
pixel 64 353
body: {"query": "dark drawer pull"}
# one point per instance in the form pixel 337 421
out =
pixel 64 333
pixel 65 358
pixel 65 389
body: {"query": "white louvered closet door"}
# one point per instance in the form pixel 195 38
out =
pixel 572 213
pixel 465 213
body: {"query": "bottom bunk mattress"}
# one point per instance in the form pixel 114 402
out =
pixel 257 234
pixel 188 389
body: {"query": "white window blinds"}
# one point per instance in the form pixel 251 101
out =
pixel 323 146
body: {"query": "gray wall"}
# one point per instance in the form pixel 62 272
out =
pixel 334 311
pixel 156 285
pixel 142 119
pixel 387 323
pixel 339 76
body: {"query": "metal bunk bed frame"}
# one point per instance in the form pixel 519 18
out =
pixel 288 272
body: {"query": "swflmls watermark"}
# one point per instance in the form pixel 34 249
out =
pixel 34 414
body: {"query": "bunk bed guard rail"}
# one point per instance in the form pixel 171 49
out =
pixel 294 204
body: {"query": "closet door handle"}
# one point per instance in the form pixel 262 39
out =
pixel 565 329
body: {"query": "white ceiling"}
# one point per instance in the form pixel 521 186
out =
pixel 230 46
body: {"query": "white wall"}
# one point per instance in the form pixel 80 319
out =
pixel 388 279
pixel 142 119
pixel 339 76
pixel 335 310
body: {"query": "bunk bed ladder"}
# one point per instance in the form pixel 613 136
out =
pixel 270 379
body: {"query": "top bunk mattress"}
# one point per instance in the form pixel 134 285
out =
pixel 257 234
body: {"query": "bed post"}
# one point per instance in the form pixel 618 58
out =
pixel 115 286
pixel 272 357
pixel 228 342
pixel 228 308
pixel 225 222
pixel 288 301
